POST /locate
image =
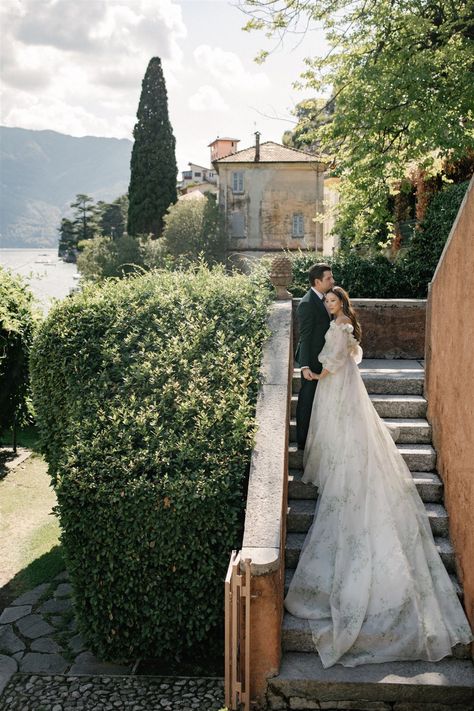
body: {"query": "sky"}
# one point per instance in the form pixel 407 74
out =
pixel 76 66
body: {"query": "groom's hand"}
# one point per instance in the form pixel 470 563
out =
pixel 308 374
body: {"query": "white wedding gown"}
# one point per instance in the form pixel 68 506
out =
pixel 369 579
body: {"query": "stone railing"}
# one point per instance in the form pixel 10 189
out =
pixel 391 328
pixel 450 385
pixel 265 518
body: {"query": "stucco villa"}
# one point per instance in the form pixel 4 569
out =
pixel 270 196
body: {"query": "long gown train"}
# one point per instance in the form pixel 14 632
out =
pixel 369 579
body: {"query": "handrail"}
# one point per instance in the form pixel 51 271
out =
pixel 262 554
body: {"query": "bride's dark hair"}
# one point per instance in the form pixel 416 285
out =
pixel 347 310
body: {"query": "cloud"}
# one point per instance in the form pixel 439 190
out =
pixel 227 68
pixel 59 23
pixel 83 59
pixel 207 98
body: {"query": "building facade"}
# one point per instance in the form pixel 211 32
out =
pixel 271 198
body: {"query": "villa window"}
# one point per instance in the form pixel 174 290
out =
pixel 238 182
pixel 298 225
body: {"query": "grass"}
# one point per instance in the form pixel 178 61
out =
pixel 25 437
pixel 29 545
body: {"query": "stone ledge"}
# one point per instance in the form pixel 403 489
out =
pixel 263 560
pixel 266 489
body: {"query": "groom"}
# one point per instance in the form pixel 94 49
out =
pixel 313 320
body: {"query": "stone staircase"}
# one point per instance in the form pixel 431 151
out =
pixel 396 390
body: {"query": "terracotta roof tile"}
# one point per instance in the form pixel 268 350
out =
pixel 270 152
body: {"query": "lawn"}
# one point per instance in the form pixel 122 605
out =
pixel 29 538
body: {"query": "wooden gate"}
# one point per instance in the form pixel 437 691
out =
pixel 237 634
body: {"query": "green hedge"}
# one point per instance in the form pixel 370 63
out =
pixel 377 277
pixel 145 391
pixel 17 322
pixel 362 277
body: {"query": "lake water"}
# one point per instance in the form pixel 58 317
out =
pixel 48 276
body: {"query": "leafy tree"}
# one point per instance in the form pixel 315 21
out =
pixel 153 165
pixel 103 257
pixel 400 74
pixel 17 321
pixel 311 114
pixel 67 239
pixel 194 228
pixel 113 217
pixel 85 217
pixel 423 253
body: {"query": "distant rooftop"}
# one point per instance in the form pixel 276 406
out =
pixel 270 152
pixel 224 138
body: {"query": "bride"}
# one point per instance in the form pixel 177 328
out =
pixel 369 580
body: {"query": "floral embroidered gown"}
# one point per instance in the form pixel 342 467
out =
pixel 369 579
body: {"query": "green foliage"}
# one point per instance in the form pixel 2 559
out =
pixel 362 277
pixel 377 277
pixel 400 77
pixel 104 257
pixel 67 239
pixel 85 217
pixel 310 114
pixel 113 217
pixel 17 323
pixel 193 228
pixel 421 258
pixel 153 166
pixel 145 391
pixel 84 226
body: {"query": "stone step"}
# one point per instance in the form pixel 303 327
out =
pixel 407 430
pixel 289 572
pixel 294 544
pixel 428 484
pixel 303 683
pixel 296 637
pixel 301 511
pixel 418 457
pixel 402 381
pixel 389 405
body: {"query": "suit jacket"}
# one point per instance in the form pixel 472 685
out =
pixel 314 321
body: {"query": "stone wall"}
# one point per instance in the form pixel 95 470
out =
pixel 450 385
pixel 391 328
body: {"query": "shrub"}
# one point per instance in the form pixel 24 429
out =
pixel 17 321
pixel 362 277
pixel 420 260
pixel 194 228
pixel 104 257
pixel 377 277
pixel 145 391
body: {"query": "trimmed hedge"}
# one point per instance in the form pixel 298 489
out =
pixel 378 278
pixel 145 391
pixel 362 277
pixel 17 323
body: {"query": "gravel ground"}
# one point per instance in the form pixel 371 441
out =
pixel 132 693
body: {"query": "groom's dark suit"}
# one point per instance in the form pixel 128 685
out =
pixel 314 321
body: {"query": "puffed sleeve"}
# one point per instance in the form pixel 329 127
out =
pixel 339 347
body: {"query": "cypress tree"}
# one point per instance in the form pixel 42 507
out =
pixel 153 167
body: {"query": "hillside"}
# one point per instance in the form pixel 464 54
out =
pixel 42 171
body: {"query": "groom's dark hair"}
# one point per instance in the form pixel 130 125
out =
pixel 317 272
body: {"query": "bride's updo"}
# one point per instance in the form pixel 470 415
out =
pixel 347 310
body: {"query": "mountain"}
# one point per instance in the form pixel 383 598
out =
pixel 42 172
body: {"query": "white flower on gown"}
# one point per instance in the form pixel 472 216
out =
pixel 369 579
